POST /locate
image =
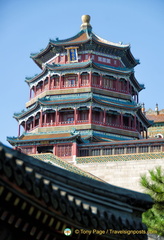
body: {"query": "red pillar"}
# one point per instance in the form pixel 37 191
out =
pixel 75 116
pixel 104 117
pixel 79 80
pixel 49 82
pixel 90 79
pixel 60 81
pixel 90 114
pixel 54 150
pixel 121 120
pixel 117 84
pixel 56 117
pixel 45 118
pixel 101 83
pixel 74 151
pixel 101 117
pixel 41 118
pixel 34 149
pixel 34 91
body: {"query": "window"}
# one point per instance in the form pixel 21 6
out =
pixel 93 57
pixel 83 115
pixel 84 79
pixel 143 149
pixel 95 152
pixel 64 150
pixel 104 59
pixel 107 151
pixel 115 62
pixel 27 150
pixel 108 60
pixel 84 152
pixel 156 148
pixel 100 59
pixel 86 57
pixel 119 151
pixel 131 150
pixel 67 117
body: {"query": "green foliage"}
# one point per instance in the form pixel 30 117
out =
pixel 154 186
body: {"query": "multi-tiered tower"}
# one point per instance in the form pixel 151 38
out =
pixel 86 92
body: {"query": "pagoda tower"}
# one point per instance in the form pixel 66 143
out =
pixel 86 92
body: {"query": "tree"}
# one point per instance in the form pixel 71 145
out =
pixel 154 186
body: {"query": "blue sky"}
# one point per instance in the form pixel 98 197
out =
pixel 27 25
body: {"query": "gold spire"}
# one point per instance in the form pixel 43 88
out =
pixel 85 22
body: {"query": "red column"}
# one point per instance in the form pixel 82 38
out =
pixel 90 79
pixel 75 116
pixel 41 118
pixel 53 82
pixel 121 120
pixel 60 81
pixel 104 117
pixel 79 80
pixel 54 150
pixel 34 149
pixel 57 117
pixel 34 91
pixel 45 118
pixel 143 134
pixel 74 151
pixel 90 114
pixel 117 84
pixel 49 82
pixel 101 80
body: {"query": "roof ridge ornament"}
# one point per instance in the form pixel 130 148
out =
pixel 86 22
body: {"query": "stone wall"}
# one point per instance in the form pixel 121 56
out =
pixel 125 174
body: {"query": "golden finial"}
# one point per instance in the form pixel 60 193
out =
pixel 85 22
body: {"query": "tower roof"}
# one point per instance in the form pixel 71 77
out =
pixel 84 36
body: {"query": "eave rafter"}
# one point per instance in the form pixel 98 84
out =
pixel 59 195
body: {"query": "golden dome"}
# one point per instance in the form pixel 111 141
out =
pixel 85 18
pixel 85 22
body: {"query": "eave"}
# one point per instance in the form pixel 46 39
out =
pixel 26 138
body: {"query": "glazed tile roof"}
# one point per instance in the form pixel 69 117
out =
pixel 43 136
pixel 30 186
pixel 85 35
pixel 90 63
pixel 82 37
pixel 120 157
pixel 50 158
pixel 68 65
pixel 156 118
pixel 63 101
